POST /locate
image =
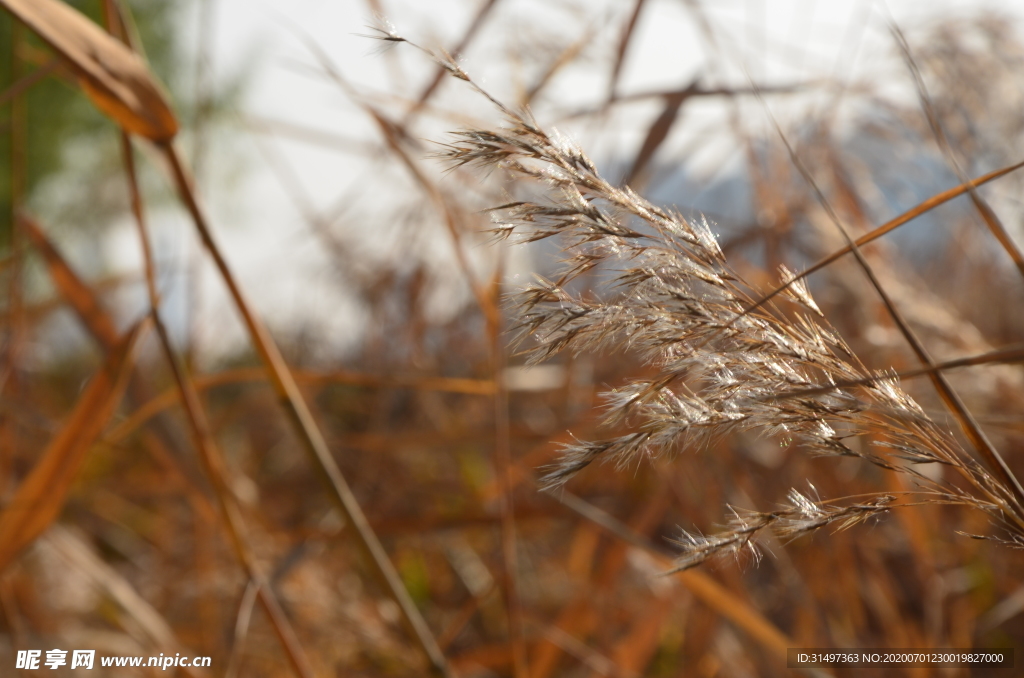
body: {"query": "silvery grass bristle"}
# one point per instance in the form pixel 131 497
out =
pixel 727 362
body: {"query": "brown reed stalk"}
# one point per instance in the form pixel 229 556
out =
pixel 985 211
pixel 202 435
pixel 120 84
pixel 203 439
pixel 722 357
pixel 309 433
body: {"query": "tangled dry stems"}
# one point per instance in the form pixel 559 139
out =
pixel 728 358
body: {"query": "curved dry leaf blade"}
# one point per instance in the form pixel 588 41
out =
pixel 41 496
pixel 115 79
pixel 891 225
pixel 467 38
pixel 153 626
pixel 724 602
pixel 659 131
pixel 620 54
pixel 76 292
pixel 702 586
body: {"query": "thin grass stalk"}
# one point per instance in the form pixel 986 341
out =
pixel 960 412
pixel 393 134
pixel 304 424
pixel 623 48
pixel 242 620
pixel 952 401
pixel 167 399
pixel 203 439
pixel 199 426
pixel 26 82
pixel 565 57
pixel 988 216
pixel 467 38
pixel 967 422
pixel 889 226
pixel 465 614
pixel 598 663
pixel 710 592
pixel 397 75
pixel 1002 356
pixel 18 135
pixel 503 466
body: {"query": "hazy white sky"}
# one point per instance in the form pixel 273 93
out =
pixel 283 267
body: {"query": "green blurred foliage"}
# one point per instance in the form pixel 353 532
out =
pixel 61 127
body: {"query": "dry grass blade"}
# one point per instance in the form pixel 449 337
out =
pixel 889 226
pixel 86 302
pixel 1011 491
pixel 26 82
pixel 706 589
pixel 658 132
pixel 623 48
pixel 81 297
pixel 41 496
pixel 986 212
pixel 1007 355
pixel 115 79
pixel 305 426
pixel 467 38
pixel 156 629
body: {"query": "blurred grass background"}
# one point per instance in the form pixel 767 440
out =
pixel 384 293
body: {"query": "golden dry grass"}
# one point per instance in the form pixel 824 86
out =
pixel 152 509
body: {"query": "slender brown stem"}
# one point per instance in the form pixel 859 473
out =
pixel 968 424
pixel 440 73
pixel 203 439
pixel 202 435
pixel 393 135
pixel 305 426
pixel 623 47
pixel 503 467
pixel 1012 354
pixel 241 628
pixel 26 82
pixel 889 226
pixel 986 212
pixel 9 373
